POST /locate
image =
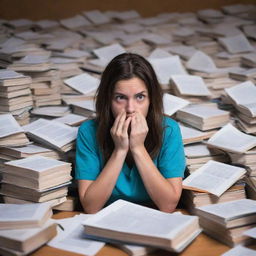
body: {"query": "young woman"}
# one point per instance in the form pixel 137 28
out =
pixel 130 151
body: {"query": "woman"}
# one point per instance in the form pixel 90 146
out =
pixel 130 151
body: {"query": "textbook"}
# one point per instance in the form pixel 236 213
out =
pixel 27 240
pixel 16 216
pixel 11 133
pixel 128 222
pixel 36 172
pixel 53 134
pixel 213 177
pixel 230 139
pixel 203 117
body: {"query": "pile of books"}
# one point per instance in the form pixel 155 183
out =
pixel 35 179
pixel 25 228
pixel 228 221
pixel 15 95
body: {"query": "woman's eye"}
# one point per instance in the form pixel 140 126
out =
pixel 140 97
pixel 119 97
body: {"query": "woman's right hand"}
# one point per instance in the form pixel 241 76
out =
pixel 119 132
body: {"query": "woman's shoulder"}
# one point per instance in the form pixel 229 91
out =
pixel 170 125
pixel 88 126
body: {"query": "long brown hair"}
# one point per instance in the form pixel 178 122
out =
pixel 123 67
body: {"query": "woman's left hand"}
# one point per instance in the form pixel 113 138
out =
pixel 139 130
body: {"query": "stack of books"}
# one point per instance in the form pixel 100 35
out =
pixel 24 228
pixel 227 221
pixel 203 117
pixel 35 179
pixel 15 95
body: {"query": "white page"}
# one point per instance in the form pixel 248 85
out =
pixel 190 85
pixel 232 140
pixel 232 209
pixel 166 67
pixel 51 131
pixel 75 22
pixel 33 59
pixel 23 212
pixel 9 74
pixel 96 17
pixel 131 218
pixel 243 93
pixel 159 53
pixel 83 83
pixel 156 39
pixel 124 16
pixel 47 23
pixel 11 42
pixel 37 163
pixel 183 51
pixel 204 111
pixel 73 238
pixel 214 177
pixel 236 44
pixel 201 62
pixel 197 150
pixel 189 132
pixel 9 126
pixel 31 149
pixel 24 233
pixel 52 110
pixel 109 52
pixel 86 104
pixel 250 232
pixel 172 104
pixel 70 119
pixel 240 250
pixel 131 27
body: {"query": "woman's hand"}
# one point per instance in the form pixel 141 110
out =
pixel 119 132
pixel 139 130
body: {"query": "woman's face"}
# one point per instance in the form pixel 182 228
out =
pixel 130 95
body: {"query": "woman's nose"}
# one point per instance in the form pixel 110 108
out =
pixel 130 107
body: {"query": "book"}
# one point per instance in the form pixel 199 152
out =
pixel 128 222
pixel 203 117
pixel 53 134
pixel 96 17
pixel 251 232
pixel 9 78
pixel 83 83
pixel 239 250
pixel 29 150
pixel 71 119
pixel 53 111
pixel 16 216
pixel 36 172
pixel 230 139
pixel 213 177
pixel 11 133
pixel 230 214
pixel 27 240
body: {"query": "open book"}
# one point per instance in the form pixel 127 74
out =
pixel 129 222
pixel 52 133
pixel 213 177
pixel 230 139
pixel 239 250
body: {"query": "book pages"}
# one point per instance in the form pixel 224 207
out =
pixel 213 177
pixel 239 250
pixel 9 126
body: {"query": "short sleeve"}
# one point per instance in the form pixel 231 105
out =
pixel 171 161
pixel 88 163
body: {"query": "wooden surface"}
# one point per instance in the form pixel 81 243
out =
pixel 201 246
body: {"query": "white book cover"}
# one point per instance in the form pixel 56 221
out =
pixel 109 52
pixel 232 209
pixel 166 67
pixel 9 126
pixel 213 177
pixel 190 85
pixel 37 163
pixel 240 250
pixel 172 104
pixel 83 83
pixel 231 139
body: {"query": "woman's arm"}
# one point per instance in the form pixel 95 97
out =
pixel 94 194
pixel 165 193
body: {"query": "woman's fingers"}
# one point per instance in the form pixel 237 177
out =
pixel 116 122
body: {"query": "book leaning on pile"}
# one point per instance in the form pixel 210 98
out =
pixel 11 133
pixel 24 228
pixel 127 222
pixel 36 179
pixel 228 221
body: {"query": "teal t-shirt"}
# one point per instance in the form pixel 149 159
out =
pixel 129 186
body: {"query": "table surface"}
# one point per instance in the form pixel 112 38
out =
pixel 203 245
